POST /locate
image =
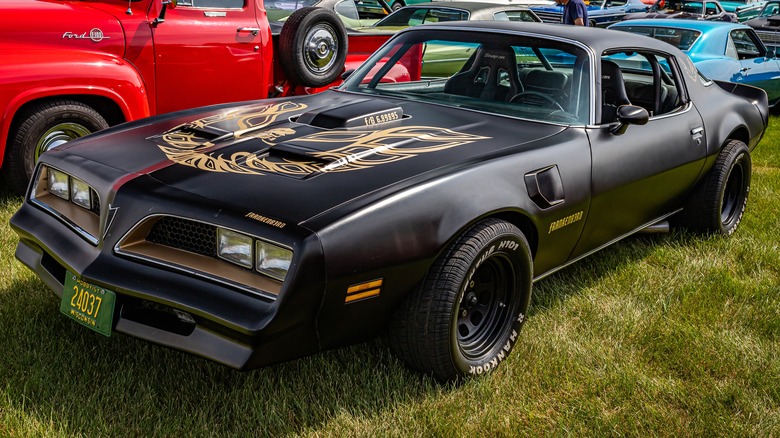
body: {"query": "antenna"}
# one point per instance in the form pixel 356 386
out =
pixel 129 10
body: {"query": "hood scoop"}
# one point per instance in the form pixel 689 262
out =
pixel 360 114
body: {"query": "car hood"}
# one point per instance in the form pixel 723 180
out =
pixel 293 159
pixel 768 23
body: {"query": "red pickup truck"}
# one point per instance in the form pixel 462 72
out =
pixel 71 67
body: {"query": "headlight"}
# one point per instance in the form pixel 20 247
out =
pixel 272 260
pixel 58 184
pixel 234 247
pixel 80 193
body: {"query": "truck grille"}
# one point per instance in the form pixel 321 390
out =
pixel 769 38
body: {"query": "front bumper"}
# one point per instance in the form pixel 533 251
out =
pixel 236 329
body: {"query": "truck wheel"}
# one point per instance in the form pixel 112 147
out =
pixel 465 317
pixel 718 203
pixel 396 6
pixel 41 128
pixel 313 47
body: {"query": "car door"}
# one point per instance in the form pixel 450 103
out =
pixel 209 51
pixel 644 173
pixel 756 68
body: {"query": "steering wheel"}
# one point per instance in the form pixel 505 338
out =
pixel 522 96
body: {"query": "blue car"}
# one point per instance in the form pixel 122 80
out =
pixel 721 51
pixel 601 13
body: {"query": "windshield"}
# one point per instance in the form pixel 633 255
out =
pixel 414 16
pixel 770 9
pixel 519 76
pixel 682 6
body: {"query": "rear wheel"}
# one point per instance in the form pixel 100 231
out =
pixel 41 128
pixel 466 316
pixel 718 203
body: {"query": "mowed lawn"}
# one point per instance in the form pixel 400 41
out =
pixel 670 335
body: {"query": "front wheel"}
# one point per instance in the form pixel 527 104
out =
pixel 466 316
pixel 718 203
pixel 43 127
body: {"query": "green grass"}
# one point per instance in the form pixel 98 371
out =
pixel 672 335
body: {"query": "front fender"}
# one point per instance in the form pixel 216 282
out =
pixel 396 238
pixel 32 75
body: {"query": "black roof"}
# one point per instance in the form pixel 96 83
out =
pixel 598 39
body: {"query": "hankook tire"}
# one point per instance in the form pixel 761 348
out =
pixel 465 317
pixel 718 203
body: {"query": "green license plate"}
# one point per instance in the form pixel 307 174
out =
pixel 88 304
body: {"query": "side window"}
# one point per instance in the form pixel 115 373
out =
pixel 731 48
pixel 645 79
pixel 712 9
pixel 217 4
pixel 347 9
pixel 513 16
pixel 744 45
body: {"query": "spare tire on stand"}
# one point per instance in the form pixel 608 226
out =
pixel 313 47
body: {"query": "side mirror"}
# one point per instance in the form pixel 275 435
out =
pixel 771 53
pixel 630 115
pixel 165 5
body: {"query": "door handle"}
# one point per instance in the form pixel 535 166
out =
pixel 697 134
pixel 744 69
pixel 253 30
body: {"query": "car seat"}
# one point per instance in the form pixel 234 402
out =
pixel 613 91
pixel 491 75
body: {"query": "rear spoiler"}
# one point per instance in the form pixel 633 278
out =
pixel 755 95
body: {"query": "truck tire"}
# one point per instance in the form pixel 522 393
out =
pixel 466 316
pixel 313 47
pixel 718 203
pixel 40 128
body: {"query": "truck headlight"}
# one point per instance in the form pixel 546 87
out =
pixel 273 261
pixel 235 247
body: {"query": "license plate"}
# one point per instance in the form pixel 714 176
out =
pixel 88 304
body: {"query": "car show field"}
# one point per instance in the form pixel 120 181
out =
pixel 660 335
pixel 360 261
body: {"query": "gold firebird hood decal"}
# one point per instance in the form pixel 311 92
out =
pixel 353 150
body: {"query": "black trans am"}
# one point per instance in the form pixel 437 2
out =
pixel 423 197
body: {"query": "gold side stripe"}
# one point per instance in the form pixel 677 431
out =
pixel 374 284
pixel 360 296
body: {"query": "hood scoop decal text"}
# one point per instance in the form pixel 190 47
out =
pixel 360 114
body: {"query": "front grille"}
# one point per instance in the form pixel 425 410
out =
pixel 769 38
pixel 186 235
pixel 550 17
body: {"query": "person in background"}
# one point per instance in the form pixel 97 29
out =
pixel 574 12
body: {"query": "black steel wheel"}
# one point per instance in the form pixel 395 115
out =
pixel 40 128
pixel 466 316
pixel 313 47
pixel 719 202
